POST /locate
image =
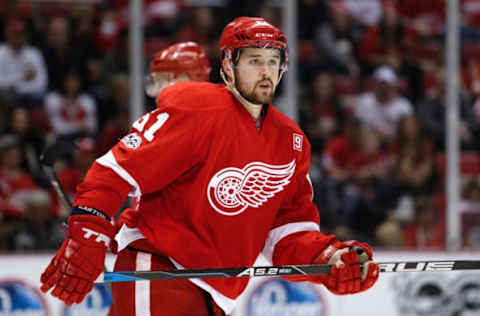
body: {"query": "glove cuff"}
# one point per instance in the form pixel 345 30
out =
pixel 91 230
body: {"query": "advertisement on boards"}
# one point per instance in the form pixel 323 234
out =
pixel 453 293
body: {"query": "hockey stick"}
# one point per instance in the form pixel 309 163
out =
pixel 399 266
pixel 47 159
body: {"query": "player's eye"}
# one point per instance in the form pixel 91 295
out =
pixel 273 62
pixel 254 61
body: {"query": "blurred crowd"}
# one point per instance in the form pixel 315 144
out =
pixel 371 100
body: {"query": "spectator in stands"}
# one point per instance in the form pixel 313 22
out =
pixel 270 13
pixel 470 196
pixel 22 68
pixel 18 9
pixel 471 13
pixel 201 29
pixel 428 230
pixel 383 107
pixel 389 234
pixel 31 142
pixel 72 112
pixel 39 230
pixel 331 192
pixel 470 74
pixel 388 42
pixel 310 14
pixel 469 210
pixel 414 158
pixel 368 187
pixel 336 41
pixel 355 166
pixel 72 174
pixel 84 28
pixel 15 183
pixel 468 33
pixel 164 13
pixel 114 115
pixel 113 130
pixel 476 110
pixel 470 28
pixel 432 115
pixel 108 30
pixel 365 12
pixel 427 18
pixel 60 54
pixel 7 104
pixel 83 22
pixel 118 98
pixel 472 239
pixel 116 61
pixel 323 116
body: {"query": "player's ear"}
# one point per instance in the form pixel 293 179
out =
pixel 227 68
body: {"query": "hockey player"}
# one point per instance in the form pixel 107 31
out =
pixel 185 61
pixel 221 176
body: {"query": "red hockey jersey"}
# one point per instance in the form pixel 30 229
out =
pixel 213 190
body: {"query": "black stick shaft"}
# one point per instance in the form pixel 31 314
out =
pixel 399 266
pixel 56 185
pixel 50 154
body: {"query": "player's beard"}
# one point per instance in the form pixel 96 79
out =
pixel 258 95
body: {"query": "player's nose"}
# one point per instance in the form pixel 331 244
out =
pixel 263 70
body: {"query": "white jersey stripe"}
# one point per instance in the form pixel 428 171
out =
pixel 225 303
pixel 142 289
pixel 108 160
pixel 126 236
pixel 280 232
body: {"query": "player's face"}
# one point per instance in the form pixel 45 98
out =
pixel 256 74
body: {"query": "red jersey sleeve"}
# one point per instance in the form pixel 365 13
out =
pixel 295 237
pixel 161 146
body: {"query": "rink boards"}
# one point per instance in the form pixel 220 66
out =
pixel 395 294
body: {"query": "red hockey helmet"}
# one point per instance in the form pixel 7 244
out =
pixel 253 32
pixel 186 57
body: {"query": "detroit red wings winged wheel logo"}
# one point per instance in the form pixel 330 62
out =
pixel 232 190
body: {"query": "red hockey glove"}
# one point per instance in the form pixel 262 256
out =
pixel 353 270
pixel 80 260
